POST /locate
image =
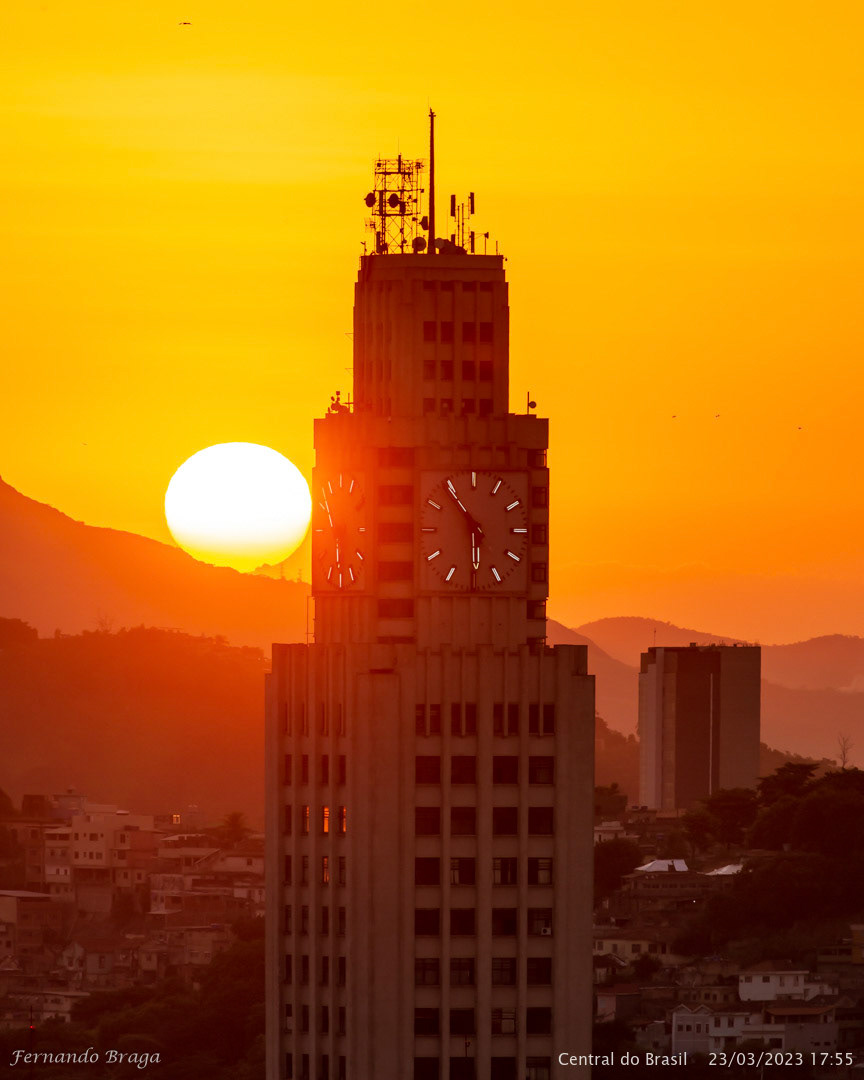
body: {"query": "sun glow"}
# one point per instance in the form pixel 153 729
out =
pixel 238 504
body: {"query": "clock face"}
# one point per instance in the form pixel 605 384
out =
pixel 474 531
pixel 339 534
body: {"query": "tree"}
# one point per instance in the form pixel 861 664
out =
pixel 233 829
pixel 735 810
pixel 700 828
pixel 792 779
pixel 844 745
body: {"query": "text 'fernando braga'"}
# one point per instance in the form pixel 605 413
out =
pixel 565 1058
pixel 85 1057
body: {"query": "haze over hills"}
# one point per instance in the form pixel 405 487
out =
pixel 56 573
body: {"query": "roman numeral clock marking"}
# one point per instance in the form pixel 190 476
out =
pixel 473 532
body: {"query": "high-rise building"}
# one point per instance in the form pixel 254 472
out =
pixel 698 722
pixel 429 758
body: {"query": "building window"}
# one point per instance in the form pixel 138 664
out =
pixel 503 1068
pixel 395 494
pixel 427 770
pixel 289 969
pixel 426 1068
pixel 343 820
pixel 538 1068
pixel 427 921
pixel 287 771
pixel 304 919
pixel 462 1068
pixel 485 370
pixel 304 820
pixel 513 718
pixel 396 608
pixel 342 870
pixel 538 1021
pixel 287 870
pixel 549 718
pixel 540 496
pixel 503 971
pixel 536 609
pixel 541 770
pixel 469 406
pixel 434 719
pixel 304 769
pixel 325 869
pixel 539 534
pixel 470 718
pixel 340 921
pixel 469 332
pixel 540 871
pixel 540 922
pixel 469 370
pixel 325 820
pixel 463 820
pixel 461 1021
pixel 325 970
pixel 429 368
pixel 505 820
pixel 485 407
pixel 304 970
pixel 447 370
pixel 463 770
pixel 539 971
pixel 427 971
pixel 455 718
pixel 430 330
pixel 304 1018
pixel 462 971
pixel 503 1021
pixel 304 869
pixel 325 768
pixel 447 333
pixel 462 871
pixel 462 922
pixel 505 770
pixel 395 571
pixel 540 821
pixel 426 1022
pixel 505 871
pixel 287 822
pixel 427 820
pixel 504 922
pixel 486 331
pixel 427 872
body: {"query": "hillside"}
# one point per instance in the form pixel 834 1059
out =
pixel 57 573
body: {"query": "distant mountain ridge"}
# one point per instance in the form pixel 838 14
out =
pixel 57 573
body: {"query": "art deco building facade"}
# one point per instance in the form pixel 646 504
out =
pixel 430 760
pixel 699 717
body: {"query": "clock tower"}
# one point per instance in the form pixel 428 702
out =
pixel 429 758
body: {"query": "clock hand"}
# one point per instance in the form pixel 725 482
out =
pixel 472 523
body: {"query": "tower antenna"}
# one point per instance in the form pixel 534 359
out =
pixel 431 182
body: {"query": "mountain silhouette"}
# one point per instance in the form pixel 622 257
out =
pixel 57 573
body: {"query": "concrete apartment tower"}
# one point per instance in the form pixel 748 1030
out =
pixel 698 722
pixel 429 759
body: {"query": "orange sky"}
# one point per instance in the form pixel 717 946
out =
pixel 677 188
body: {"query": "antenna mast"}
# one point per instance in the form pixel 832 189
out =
pixel 431 182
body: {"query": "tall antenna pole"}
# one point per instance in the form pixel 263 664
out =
pixel 431 182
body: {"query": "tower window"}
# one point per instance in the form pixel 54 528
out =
pixel 549 718
pixel 503 1068
pixel 505 871
pixel 343 820
pixel 540 871
pixel 446 286
pixel 540 496
pixel 469 332
pixel 341 921
pixel 304 869
pixel 455 718
pixel 538 1021
pixel 427 971
pixel 286 919
pixel 541 770
pixel 325 930
pixel 540 572
pixel 304 820
pixel 503 1021
pixel 462 922
pixel 325 820
pixel 289 969
pixel 470 718
pixel 304 919
pixel 341 973
pixel 485 406
pixel 447 333
pixel 536 609
pixel 505 820
pixel 486 331
pixel 462 1022
pixel 427 872
pixel 469 406
pixel 463 820
pixel 325 869
pixel 513 718
pixel 503 970
pixel 395 608
pixel 434 719
pixel 420 719
pixel 426 1068
pixel 469 370
pixel 498 718
pixel 505 770
pixel 540 821
pixel 427 770
pixel 342 870
pixel 446 406
pixel 533 719
pixel 537 459
pixel 427 820
pixel 426 1022
pixel 427 921
pixel 469 286
pixel 486 371
pixel 540 921
pixel 462 971
pixel 395 571
pixel 447 370
pixel 539 970
pixel 463 770
pixel 429 330
pixel 504 922
pixel 485 286
pixel 462 871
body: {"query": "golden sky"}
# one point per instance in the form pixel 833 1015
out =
pixel 676 186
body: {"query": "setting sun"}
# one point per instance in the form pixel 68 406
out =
pixel 238 504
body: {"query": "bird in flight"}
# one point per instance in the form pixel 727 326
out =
pixel 184 24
